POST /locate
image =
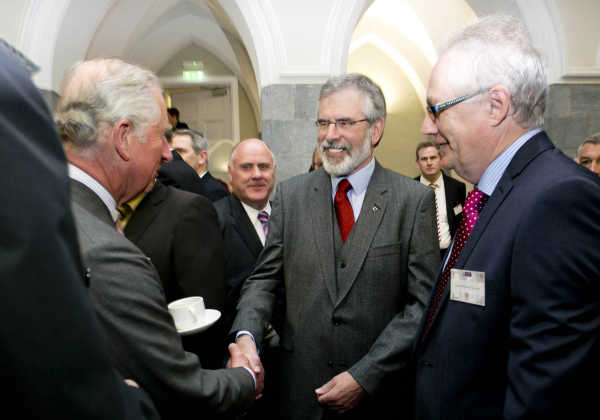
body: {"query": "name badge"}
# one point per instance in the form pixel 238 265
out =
pixel 467 286
pixel 457 209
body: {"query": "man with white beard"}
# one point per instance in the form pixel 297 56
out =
pixel 356 248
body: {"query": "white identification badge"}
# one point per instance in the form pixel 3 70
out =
pixel 457 209
pixel 467 286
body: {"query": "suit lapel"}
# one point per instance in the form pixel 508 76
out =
pixel 244 227
pixel 363 232
pixel 522 158
pixel 146 212
pixel 321 208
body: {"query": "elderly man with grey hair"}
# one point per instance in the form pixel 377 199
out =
pixel 111 118
pixel 588 153
pixel 193 148
pixel 513 326
pixel 356 248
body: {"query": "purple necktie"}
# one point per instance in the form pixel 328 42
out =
pixel 263 217
pixel 473 206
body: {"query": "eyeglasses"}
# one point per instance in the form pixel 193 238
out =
pixel 436 109
pixel 341 124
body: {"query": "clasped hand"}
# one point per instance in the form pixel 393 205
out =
pixel 243 353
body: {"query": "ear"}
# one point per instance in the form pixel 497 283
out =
pixel 202 156
pixel 499 101
pixel 229 176
pixel 120 138
pixel 377 131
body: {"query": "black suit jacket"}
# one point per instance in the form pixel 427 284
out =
pixel 532 350
pixel 179 231
pixel 213 188
pixel 53 354
pixel 179 174
pixel 242 248
pixel 455 192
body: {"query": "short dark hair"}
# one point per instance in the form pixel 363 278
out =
pixel 174 112
pixel 425 144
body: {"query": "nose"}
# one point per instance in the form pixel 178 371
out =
pixel 595 167
pixel 428 127
pixel 256 172
pixel 166 155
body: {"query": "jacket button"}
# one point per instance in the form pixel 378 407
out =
pixel 330 363
pixel 343 265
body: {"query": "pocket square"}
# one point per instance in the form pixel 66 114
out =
pixel 458 210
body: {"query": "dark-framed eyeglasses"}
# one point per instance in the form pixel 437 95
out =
pixel 436 109
pixel 341 124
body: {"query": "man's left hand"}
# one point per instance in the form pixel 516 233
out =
pixel 340 394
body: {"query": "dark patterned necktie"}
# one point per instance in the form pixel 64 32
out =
pixel 437 216
pixel 473 206
pixel 263 218
pixel 343 209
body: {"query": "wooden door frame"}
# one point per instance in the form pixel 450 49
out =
pixel 230 82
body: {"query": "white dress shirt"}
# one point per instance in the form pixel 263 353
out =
pixel 253 216
pixel 442 214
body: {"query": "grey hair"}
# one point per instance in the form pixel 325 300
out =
pixel 593 139
pixel 199 143
pixel 425 144
pixel 99 92
pixel 373 107
pixel 497 50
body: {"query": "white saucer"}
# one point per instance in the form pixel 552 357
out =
pixel 210 317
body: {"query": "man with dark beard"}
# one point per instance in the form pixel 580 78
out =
pixel 356 247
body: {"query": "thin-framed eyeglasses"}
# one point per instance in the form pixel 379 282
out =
pixel 341 124
pixel 435 110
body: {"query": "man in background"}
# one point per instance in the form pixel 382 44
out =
pixel 174 119
pixel 112 120
pixel 193 148
pixel 588 153
pixel 512 329
pixel 244 220
pixel 449 193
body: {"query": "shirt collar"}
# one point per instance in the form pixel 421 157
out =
pixel 438 182
pixel 86 179
pixel 359 179
pixel 491 176
pixel 253 213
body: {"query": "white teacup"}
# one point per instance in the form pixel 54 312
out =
pixel 187 312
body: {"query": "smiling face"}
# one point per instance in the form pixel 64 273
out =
pixel 460 130
pixel 345 151
pixel 252 173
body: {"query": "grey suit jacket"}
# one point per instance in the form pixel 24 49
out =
pixel 145 346
pixel 360 316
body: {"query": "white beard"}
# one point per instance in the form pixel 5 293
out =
pixel 350 162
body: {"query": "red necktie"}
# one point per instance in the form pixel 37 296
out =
pixel 473 206
pixel 343 209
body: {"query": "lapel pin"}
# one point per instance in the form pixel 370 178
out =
pixel 375 208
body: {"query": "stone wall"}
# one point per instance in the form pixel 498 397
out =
pixel 572 114
pixel 288 125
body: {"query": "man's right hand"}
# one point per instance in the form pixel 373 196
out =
pixel 247 347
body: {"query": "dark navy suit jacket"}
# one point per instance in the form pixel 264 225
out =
pixel 533 348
